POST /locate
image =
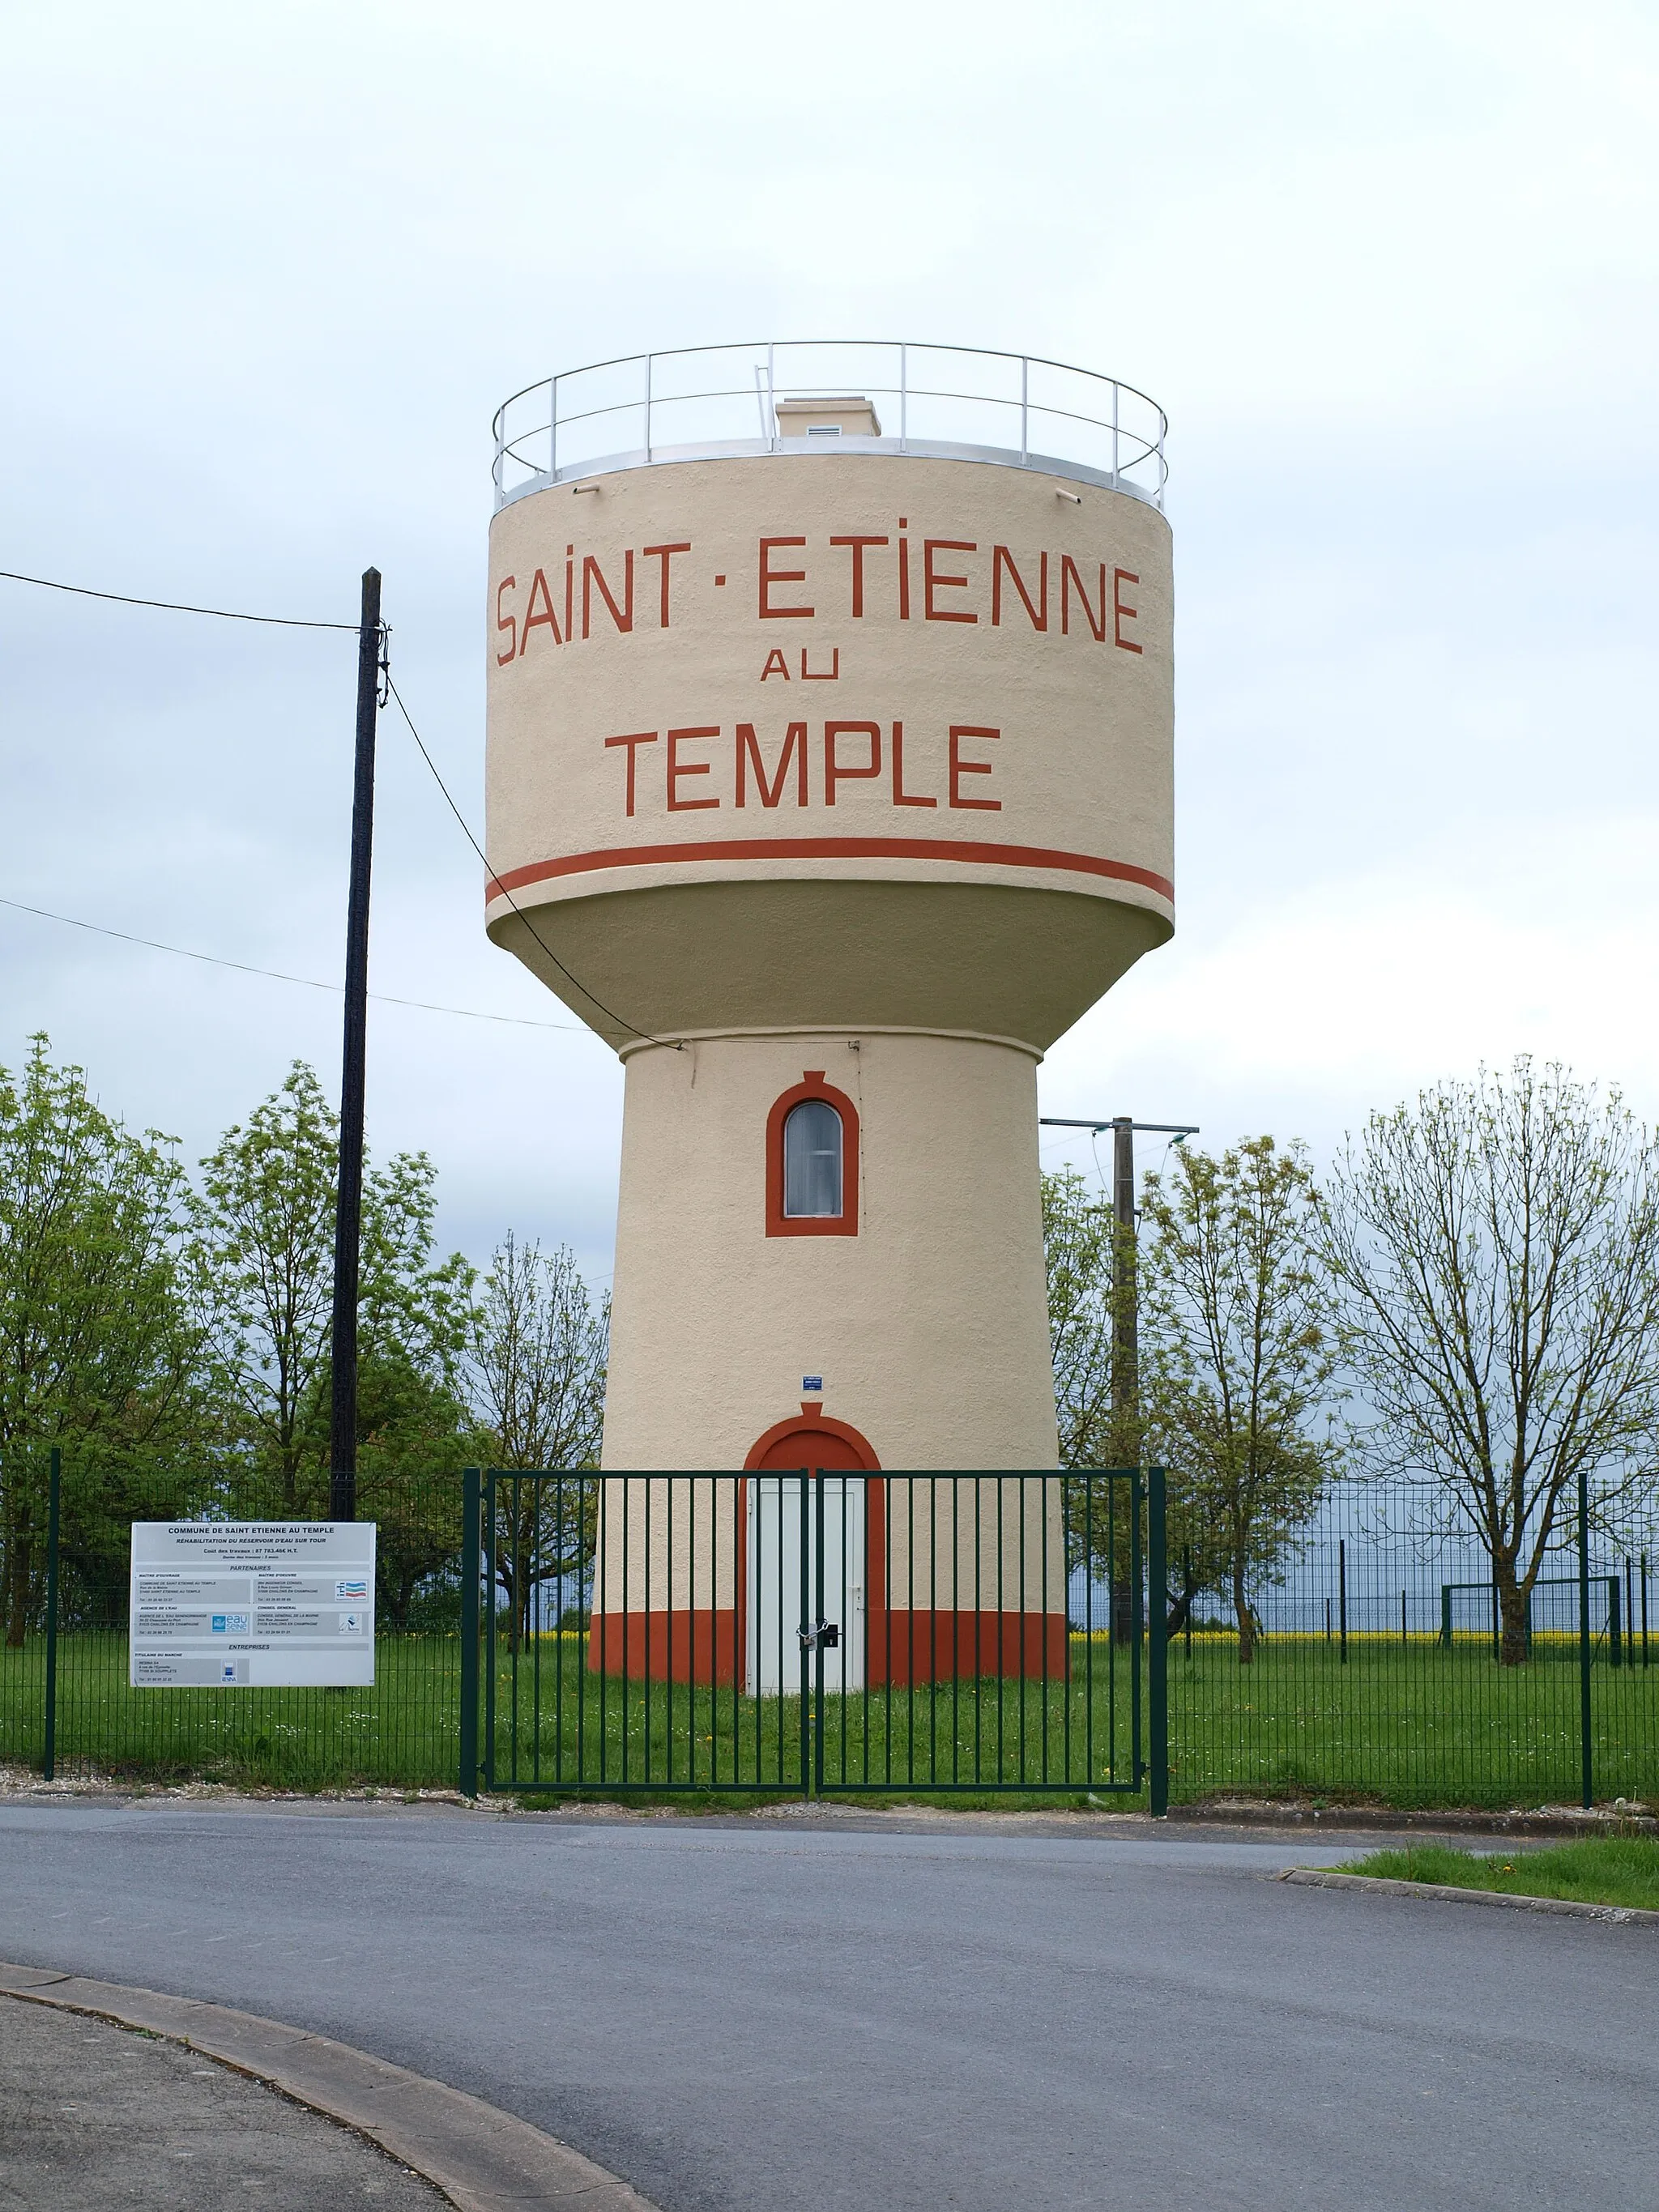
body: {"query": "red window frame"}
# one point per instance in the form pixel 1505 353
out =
pixel 844 1224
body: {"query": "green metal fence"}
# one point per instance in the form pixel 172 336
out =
pixel 781 1631
pixel 521 1646
pixel 66 1710
pixel 1376 1673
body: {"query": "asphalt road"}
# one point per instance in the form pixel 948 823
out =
pixel 838 2019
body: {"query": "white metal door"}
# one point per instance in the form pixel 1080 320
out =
pixel 780 1601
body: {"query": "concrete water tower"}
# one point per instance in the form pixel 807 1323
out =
pixel 829 780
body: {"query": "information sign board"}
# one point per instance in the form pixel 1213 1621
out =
pixel 240 1604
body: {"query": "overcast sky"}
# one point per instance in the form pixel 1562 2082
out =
pixel 1389 269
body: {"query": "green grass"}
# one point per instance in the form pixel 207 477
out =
pixel 1596 1870
pixel 571 1732
pixel 1408 1725
pixel 402 1734
pixel 1404 1724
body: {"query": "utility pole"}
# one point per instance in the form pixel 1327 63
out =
pixel 1126 1310
pixel 349 1200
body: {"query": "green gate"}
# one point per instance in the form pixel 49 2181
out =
pixel 805 1633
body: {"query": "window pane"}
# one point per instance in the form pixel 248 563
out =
pixel 812 1160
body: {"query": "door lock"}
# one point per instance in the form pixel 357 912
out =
pixel 821 1636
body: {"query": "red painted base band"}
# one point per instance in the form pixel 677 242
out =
pixel 699 1646
pixel 949 1647
pixel 705 1646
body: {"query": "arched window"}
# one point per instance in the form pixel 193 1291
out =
pixel 812 1161
pixel 813 1141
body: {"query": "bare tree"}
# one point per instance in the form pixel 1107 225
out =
pixel 1498 1247
pixel 540 1348
pixel 1238 1355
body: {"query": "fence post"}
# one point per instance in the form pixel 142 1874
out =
pixel 470 1511
pixel 1586 1763
pixel 1157 1655
pixel 1342 1596
pixel 49 1761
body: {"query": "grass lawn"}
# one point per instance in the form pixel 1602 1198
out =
pixel 1410 1724
pixel 1407 1722
pixel 1596 1870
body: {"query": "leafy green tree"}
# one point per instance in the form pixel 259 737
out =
pixel 538 1353
pixel 1498 1249
pixel 1078 1243
pixel 97 1353
pixel 262 1257
pixel 1101 1425
pixel 1239 1354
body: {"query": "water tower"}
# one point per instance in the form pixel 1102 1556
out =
pixel 829 780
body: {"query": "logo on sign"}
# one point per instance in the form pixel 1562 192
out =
pixel 351 1624
pixel 230 1624
pixel 350 1587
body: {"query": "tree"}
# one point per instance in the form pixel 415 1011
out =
pixel 262 1259
pixel 96 1352
pixel 1238 1354
pixel 1101 1426
pixel 1498 1251
pixel 1078 1244
pixel 538 1354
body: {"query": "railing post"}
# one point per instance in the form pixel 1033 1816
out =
pixel 647 409
pixel 1158 1654
pixel 54 1485
pixel 1114 397
pixel 1585 1761
pixel 470 1561
pixel 1024 411
pixel 904 396
pixel 553 431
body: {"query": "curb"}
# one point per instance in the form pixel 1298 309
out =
pixel 483 2160
pixel 1379 1819
pixel 1449 1894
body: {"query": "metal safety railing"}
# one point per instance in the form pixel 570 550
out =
pixel 953 402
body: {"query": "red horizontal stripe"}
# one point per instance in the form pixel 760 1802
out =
pixel 832 848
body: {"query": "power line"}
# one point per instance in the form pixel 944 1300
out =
pixel 277 975
pixel 175 607
pixel 290 621
pixel 645 1035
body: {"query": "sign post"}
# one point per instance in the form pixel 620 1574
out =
pixel 252 1604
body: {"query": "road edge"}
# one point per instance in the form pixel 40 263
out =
pixel 482 2159
pixel 1450 1894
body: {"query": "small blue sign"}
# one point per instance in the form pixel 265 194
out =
pixel 812 1382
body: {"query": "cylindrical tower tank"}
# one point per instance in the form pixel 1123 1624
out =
pixel 829 779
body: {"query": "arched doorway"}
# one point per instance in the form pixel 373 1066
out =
pixel 812 1525
pixel 808 1439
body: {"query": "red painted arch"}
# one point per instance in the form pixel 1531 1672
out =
pixel 844 1224
pixel 810 1425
